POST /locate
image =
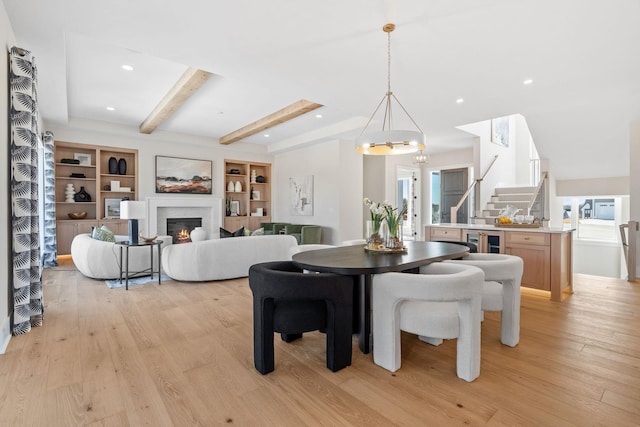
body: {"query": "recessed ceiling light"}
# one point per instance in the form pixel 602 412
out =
pixel 127 67
pixel 318 116
pixel 111 109
pixel 266 135
pixel 527 82
pixel 459 100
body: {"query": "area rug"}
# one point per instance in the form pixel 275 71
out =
pixel 112 284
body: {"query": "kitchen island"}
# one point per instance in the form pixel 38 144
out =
pixel 546 251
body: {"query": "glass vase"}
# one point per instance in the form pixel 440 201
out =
pixel 374 238
pixel 394 237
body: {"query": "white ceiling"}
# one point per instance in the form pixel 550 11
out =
pixel 583 57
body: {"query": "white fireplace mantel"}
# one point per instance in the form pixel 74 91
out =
pixel 181 206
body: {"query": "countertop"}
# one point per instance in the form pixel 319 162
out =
pixel 493 227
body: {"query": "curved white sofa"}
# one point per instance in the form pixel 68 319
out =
pixel 220 259
pixel 101 260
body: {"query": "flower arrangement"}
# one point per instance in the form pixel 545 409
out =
pixel 377 211
pixel 392 216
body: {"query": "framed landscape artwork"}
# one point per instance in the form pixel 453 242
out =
pixel 178 175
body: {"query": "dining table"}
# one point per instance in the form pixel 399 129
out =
pixel 362 264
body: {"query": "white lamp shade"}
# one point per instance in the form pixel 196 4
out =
pixel 130 209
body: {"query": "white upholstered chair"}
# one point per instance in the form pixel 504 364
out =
pixel 309 247
pixel 441 302
pixel 501 290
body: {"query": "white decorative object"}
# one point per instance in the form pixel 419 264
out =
pixel 115 185
pixel 238 187
pixel 198 234
pixel 230 186
pixel 253 176
pixel 69 192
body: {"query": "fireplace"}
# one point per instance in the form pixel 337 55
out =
pixel 180 228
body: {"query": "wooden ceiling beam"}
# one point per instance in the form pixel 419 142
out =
pixel 289 112
pixel 186 86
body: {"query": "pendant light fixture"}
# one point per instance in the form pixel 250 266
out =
pixel 422 159
pixel 389 141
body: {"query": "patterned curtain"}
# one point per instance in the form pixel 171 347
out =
pixel 27 274
pixel 49 250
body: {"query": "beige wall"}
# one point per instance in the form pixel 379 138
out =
pixel 7 39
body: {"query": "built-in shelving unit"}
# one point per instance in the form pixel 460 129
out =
pixel 96 182
pixel 253 195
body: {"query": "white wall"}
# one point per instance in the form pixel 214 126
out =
pixel 337 188
pixel 7 39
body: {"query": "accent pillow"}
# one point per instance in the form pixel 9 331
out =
pixel 103 233
pixel 258 232
pixel 225 233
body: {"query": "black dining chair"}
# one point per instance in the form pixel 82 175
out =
pixel 290 302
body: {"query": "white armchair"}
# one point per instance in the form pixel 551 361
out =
pixel 101 260
pixel 501 290
pixel 441 302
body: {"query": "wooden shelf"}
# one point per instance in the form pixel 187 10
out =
pixel 93 184
pixel 247 204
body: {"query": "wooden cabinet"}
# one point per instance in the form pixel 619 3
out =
pixel 547 260
pixel 93 176
pixel 534 249
pixel 253 182
pixel 445 234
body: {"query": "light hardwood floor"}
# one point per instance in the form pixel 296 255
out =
pixel 182 354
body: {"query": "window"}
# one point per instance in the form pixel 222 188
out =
pixel 593 218
pixel 435 197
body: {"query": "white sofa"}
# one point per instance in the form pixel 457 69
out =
pixel 101 260
pixel 220 259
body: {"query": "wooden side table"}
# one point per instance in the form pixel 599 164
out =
pixel 124 266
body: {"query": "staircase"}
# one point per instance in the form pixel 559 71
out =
pixel 518 197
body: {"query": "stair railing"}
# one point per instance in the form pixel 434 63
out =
pixel 534 197
pixel 475 185
pixel 629 240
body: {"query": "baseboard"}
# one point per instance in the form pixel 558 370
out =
pixel 5 335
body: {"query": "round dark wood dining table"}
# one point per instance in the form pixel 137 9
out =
pixel 362 265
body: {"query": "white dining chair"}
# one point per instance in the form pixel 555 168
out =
pixel 501 290
pixel 443 301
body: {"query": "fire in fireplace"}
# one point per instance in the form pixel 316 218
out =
pixel 180 228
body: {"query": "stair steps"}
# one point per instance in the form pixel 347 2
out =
pixel 518 197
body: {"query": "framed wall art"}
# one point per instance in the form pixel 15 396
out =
pixel 301 195
pixel 178 175
pixel 83 158
pixel 500 131
pixel 112 208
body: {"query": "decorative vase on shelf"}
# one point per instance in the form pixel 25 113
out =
pixel 82 196
pixel 231 186
pixel 238 187
pixel 374 238
pixel 253 176
pixel 113 165
pixel 69 192
pixel 122 167
pixel 198 234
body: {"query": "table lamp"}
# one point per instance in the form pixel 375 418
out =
pixel 133 211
